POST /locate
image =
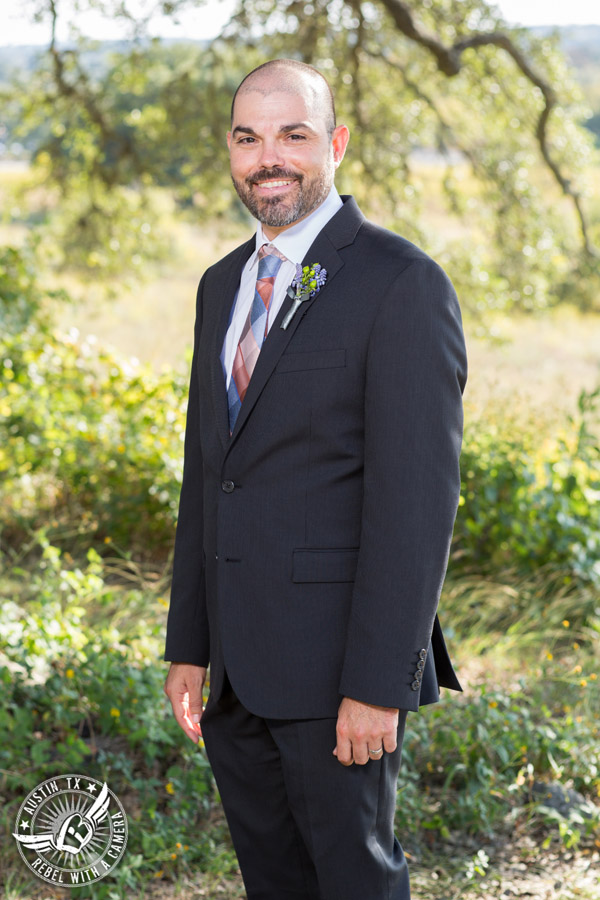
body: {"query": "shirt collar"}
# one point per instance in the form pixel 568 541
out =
pixel 295 241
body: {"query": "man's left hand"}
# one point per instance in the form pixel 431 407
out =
pixel 361 728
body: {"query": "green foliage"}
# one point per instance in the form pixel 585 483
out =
pixel 105 142
pixel 88 443
pixel 21 299
pixel 530 500
pixel 100 234
pixel 469 765
pixel 80 694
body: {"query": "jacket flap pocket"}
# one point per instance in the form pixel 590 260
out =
pixel 324 565
pixel 312 359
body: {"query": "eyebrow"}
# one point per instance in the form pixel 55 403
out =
pixel 285 129
pixel 242 129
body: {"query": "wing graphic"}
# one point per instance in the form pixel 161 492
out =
pixel 97 812
pixel 39 842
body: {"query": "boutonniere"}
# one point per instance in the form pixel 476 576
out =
pixel 307 282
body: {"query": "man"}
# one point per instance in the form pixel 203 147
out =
pixel 319 494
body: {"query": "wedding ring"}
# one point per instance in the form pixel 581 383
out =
pixel 376 752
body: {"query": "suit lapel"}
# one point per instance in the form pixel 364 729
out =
pixel 339 232
pixel 225 305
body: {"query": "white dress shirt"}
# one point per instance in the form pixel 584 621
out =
pixel 294 243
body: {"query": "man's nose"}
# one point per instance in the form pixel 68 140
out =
pixel 271 155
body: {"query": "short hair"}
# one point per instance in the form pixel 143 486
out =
pixel 295 66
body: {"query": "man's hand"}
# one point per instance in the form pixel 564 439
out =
pixel 362 727
pixel 183 687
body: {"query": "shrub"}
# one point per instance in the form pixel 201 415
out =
pixel 470 763
pixel 529 500
pixel 79 694
pixel 88 444
pixel 21 300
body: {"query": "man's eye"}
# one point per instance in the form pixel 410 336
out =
pixel 246 140
pixel 297 137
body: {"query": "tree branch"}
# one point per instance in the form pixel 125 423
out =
pixel 418 91
pixel 449 61
pixel 85 97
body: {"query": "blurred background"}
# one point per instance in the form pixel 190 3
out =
pixel 475 132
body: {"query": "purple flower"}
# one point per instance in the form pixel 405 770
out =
pixel 309 280
pixel 307 283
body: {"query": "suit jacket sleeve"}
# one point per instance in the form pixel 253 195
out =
pixel 416 370
pixel 187 624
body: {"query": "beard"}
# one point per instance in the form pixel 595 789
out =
pixel 278 212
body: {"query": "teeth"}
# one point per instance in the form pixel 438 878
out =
pixel 272 184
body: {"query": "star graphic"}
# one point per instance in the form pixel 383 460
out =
pixel 24 824
pixel 92 787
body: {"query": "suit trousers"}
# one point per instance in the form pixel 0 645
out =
pixel 303 826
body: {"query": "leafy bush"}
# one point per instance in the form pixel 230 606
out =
pixel 530 500
pixel 469 764
pixel 88 444
pixel 21 299
pixel 79 694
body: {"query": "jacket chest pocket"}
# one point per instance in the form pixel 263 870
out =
pixel 311 360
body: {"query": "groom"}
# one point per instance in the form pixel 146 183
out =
pixel 319 493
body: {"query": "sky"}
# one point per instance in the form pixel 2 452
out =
pixel 550 12
pixel 207 20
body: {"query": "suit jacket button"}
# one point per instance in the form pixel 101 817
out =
pixel 420 665
pixel 415 685
pixel 422 654
pixel 228 487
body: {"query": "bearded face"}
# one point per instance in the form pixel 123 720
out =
pixel 283 157
pixel 278 197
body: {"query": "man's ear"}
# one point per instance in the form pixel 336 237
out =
pixel 339 140
pixel 229 140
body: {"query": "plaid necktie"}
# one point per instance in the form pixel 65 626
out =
pixel 254 331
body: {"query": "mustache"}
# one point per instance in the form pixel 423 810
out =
pixel 277 174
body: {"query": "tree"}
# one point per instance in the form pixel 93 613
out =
pixel 497 106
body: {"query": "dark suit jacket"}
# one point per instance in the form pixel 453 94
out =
pixel 312 545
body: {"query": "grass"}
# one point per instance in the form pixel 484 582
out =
pixel 536 366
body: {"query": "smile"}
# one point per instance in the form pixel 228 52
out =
pixel 273 184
